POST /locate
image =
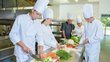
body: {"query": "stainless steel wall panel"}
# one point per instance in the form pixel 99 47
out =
pixel 0 4
pixel 18 12
pixel 9 3
pixel 7 14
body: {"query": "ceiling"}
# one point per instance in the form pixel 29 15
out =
pixel 26 3
pixel 16 3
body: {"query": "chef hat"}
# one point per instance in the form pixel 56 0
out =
pixel 48 13
pixel 88 10
pixel 79 20
pixel 40 5
pixel 69 16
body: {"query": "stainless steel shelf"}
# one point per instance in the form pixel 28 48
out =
pixel 6 57
pixel 7 48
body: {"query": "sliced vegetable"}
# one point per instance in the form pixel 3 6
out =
pixel 70 41
pixel 70 45
pixel 52 55
pixel 48 59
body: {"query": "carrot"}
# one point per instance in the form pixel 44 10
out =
pixel 52 55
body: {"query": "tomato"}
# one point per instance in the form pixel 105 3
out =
pixel 52 55
pixel 70 45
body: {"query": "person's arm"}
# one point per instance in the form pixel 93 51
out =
pixel 63 33
pixel 23 46
pixel 40 41
pixel 15 35
pixel 73 29
pixel 58 44
pixel 62 29
pixel 41 52
pixel 82 28
pixel 83 37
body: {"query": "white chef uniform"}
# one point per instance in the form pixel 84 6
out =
pixel 94 33
pixel 79 30
pixel 27 30
pixel 49 39
pixel 24 30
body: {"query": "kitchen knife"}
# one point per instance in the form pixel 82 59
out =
pixel 49 50
pixel 80 45
pixel 34 56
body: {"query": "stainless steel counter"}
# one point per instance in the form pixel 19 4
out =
pixel 77 54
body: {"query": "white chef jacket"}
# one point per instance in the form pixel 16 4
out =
pixel 95 33
pixel 27 30
pixel 79 31
pixel 48 38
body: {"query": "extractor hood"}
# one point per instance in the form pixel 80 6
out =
pixel 17 3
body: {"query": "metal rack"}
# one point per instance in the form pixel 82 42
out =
pixel 6 57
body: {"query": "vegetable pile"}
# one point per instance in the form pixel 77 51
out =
pixel 70 45
pixel 63 54
pixel 75 39
pixel 52 55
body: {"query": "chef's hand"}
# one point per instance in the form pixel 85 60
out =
pixel 41 53
pixel 73 32
pixel 86 41
pixel 23 46
pixel 26 49
pixel 42 56
pixel 64 37
pixel 59 46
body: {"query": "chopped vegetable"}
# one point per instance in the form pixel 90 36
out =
pixel 70 41
pixel 48 59
pixel 70 45
pixel 63 54
pixel 75 39
pixel 52 55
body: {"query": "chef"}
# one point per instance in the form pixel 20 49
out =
pixel 67 28
pixel 79 29
pixel 23 33
pixel 93 34
pixel 49 40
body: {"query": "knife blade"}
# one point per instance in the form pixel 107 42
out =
pixel 80 45
pixel 36 57
pixel 49 50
